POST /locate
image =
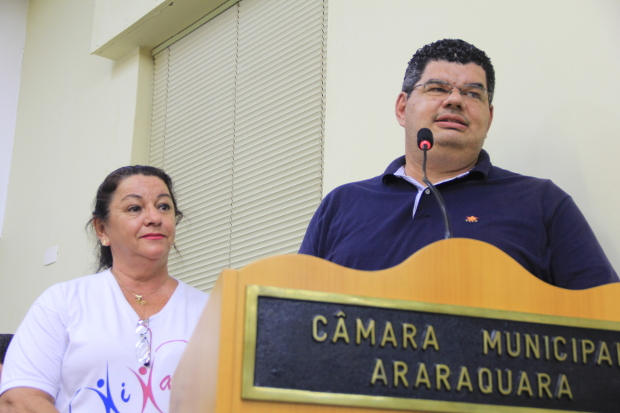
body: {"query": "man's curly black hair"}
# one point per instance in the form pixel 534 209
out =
pixel 451 50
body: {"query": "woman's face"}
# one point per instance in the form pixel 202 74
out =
pixel 141 221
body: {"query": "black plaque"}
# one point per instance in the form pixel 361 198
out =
pixel 300 347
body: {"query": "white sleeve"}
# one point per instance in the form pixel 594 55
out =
pixel 35 355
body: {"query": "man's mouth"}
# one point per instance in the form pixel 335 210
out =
pixel 451 121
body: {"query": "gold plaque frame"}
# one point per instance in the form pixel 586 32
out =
pixel 249 391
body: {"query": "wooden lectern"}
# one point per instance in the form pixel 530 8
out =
pixel 524 345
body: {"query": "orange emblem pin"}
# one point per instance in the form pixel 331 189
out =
pixel 471 219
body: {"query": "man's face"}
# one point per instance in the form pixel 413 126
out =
pixel 457 123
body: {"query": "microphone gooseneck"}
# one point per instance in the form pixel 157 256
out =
pixel 425 142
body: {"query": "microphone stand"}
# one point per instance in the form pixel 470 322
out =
pixel 438 197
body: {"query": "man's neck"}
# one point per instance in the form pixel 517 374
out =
pixel 438 169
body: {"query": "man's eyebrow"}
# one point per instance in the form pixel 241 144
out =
pixel 467 84
pixel 164 195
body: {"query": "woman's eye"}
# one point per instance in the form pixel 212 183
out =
pixel 133 208
pixel 164 207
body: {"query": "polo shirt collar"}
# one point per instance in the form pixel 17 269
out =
pixel 479 171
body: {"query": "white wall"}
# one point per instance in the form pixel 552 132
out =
pixel 13 34
pixel 556 64
pixel 78 118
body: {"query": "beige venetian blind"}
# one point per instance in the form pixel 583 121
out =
pixel 238 120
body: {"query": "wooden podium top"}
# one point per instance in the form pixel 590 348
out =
pixel 454 273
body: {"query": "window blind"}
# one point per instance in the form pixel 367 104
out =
pixel 238 123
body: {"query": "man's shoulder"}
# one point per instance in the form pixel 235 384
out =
pixel 349 195
pixel 539 192
pixel 376 184
pixel 497 173
pixel 372 184
pixel 494 173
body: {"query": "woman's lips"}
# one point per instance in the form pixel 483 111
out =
pixel 153 236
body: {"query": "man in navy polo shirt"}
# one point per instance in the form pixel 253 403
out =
pixel 378 223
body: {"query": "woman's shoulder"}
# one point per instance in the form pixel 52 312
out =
pixel 93 284
pixel 84 282
pixel 193 294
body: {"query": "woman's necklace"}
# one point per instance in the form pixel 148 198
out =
pixel 138 297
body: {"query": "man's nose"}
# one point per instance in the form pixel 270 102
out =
pixel 454 98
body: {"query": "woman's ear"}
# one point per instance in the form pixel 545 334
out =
pixel 99 227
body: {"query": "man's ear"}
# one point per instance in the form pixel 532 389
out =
pixel 401 104
pixel 490 117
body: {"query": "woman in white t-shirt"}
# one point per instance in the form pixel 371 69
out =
pixel 109 342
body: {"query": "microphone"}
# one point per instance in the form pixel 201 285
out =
pixel 425 139
pixel 425 142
